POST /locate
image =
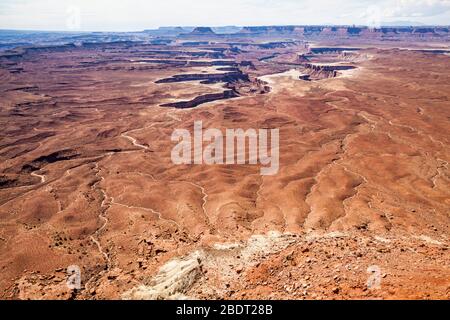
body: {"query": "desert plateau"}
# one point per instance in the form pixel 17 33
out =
pixel 361 197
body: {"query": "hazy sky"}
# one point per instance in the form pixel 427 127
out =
pixel 129 15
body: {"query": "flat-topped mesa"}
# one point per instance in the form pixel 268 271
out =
pixel 203 31
pixel 226 77
pixel 282 30
pixel 412 30
pixel 207 54
pixel 331 50
pixel 247 88
pixel 318 72
pixel 200 32
pixel 112 44
pixel 269 29
pixel 236 86
pixel 167 31
pixel 344 31
pixel 363 31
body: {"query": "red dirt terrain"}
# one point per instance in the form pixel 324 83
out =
pixel 363 190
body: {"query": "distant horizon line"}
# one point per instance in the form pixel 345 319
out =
pixel 225 26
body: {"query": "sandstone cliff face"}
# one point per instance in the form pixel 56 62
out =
pixel 208 78
pixel 227 94
pixel 318 72
pixel 19 53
